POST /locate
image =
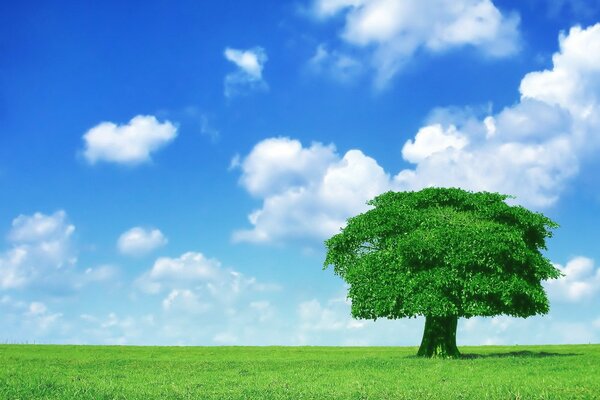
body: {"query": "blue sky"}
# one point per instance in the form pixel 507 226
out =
pixel 168 173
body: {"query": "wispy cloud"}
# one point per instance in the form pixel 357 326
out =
pixel 249 74
pixel 391 32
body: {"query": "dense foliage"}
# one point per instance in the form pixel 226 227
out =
pixel 443 252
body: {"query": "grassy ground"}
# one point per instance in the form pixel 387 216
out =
pixel 95 372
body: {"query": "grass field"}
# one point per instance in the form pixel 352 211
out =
pixel 109 372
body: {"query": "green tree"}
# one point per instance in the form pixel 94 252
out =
pixel 443 253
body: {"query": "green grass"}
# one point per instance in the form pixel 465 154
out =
pixel 109 372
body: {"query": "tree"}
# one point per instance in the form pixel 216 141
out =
pixel 443 253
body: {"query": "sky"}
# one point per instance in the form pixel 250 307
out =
pixel 169 171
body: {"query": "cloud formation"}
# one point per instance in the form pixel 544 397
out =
pixel 193 281
pixel 305 191
pixel 42 255
pixel 29 321
pixel 581 281
pixel 529 150
pixel 249 74
pixel 131 143
pixel 391 32
pixel 40 247
pixel 138 241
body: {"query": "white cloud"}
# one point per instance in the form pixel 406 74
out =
pixel 40 250
pixel 534 172
pixel 185 271
pixel 529 150
pixel 42 255
pixel 40 227
pixel 430 140
pixel 581 281
pixel 393 31
pixel 249 75
pixel 139 241
pixel 131 143
pixel 573 84
pixel 193 285
pixel 306 191
pixel 195 282
pixel 276 164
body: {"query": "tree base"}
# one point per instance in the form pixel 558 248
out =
pixel 439 338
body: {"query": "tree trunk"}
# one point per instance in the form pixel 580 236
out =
pixel 439 338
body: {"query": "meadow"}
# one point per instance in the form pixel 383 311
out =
pixel 128 372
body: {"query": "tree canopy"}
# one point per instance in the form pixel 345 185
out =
pixel 443 252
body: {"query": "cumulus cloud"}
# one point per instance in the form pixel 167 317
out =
pixel 573 84
pixel 249 74
pixel 40 247
pixel 535 172
pixel 139 241
pixel 184 271
pixel 430 140
pixel 131 143
pixel 195 282
pixel 530 150
pixel 393 31
pixel 275 164
pixel 306 191
pixel 581 281
pixel 40 227
pixel 194 285
pixel 42 255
